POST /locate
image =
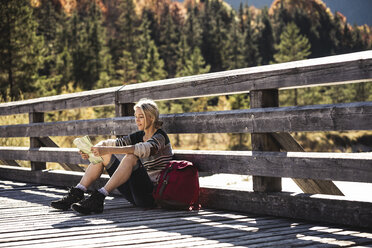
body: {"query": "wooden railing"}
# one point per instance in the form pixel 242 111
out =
pixel 274 154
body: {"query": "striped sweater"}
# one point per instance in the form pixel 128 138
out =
pixel 154 154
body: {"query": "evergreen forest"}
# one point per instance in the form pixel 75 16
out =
pixel 51 47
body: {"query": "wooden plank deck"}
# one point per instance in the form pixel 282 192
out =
pixel 26 220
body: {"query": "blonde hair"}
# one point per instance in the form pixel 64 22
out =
pixel 150 108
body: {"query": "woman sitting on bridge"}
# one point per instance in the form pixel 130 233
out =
pixel 147 151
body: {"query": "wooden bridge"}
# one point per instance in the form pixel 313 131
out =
pixel 321 216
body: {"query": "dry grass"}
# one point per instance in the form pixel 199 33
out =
pixel 351 141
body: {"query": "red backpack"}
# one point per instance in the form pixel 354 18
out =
pixel 178 186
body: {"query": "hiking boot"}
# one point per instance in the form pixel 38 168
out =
pixel 74 195
pixel 93 204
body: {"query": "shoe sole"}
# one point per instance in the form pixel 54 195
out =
pixel 63 209
pixel 81 210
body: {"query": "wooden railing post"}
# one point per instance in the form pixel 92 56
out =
pixel 263 141
pixel 124 109
pixel 36 117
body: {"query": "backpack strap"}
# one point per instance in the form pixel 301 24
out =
pixel 165 179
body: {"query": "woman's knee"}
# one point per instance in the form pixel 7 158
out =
pixel 107 159
pixel 131 159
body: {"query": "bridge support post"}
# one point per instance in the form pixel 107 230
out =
pixel 124 109
pixel 263 141
pixel 36 117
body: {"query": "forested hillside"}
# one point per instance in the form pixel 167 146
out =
pixel 356 11
pixel 53 47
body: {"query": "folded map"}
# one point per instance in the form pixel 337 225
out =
pixel 84 144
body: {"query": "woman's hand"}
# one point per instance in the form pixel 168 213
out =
pixel 84 155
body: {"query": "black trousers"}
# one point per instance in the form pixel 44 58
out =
pixel 138 189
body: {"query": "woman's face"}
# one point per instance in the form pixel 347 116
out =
pixel 141 120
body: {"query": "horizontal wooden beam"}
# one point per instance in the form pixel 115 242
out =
pixel 353 67
pixel 320 208
pixel 354 167
pixel 42 154
pixel 83 99
pixel 333 117
pixel 59 178
pixel 48 142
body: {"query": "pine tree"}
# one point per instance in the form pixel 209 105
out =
pixel 193 28
pixel 169 38
pixel 79 50
pixel 101 60
pixel 208 27
pixel 338 31
pixel 327 33
pixel 251 53
pixel 194 65
pixel 128 28
pixel 190 59
pixel 319 28
pixel 233 55
pixel 358 43
pixel 144 40
pixel 215 23
pixel 281 18
pixel 183 53
pixel 241 18
pixel 64 66
pixel 95 41
pixel 153 66
pixel 47 17
pixel 347 41
pixel 88 48
pixel 124 43
pixel 190 62
pixel 293 46
pixel 20 49
pixel 128 50
pixel 126 69
pixel 266 38
pixel 63 60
